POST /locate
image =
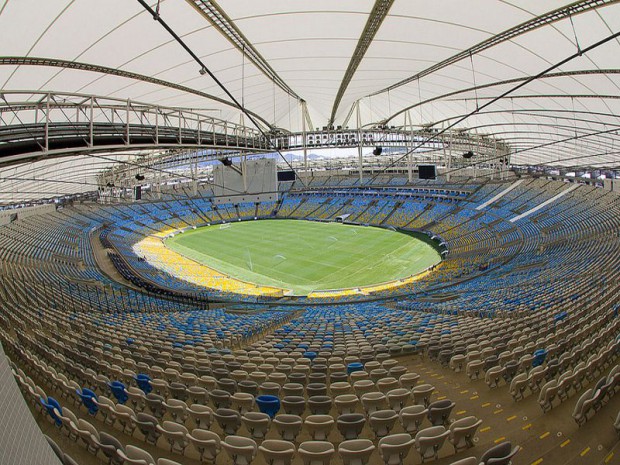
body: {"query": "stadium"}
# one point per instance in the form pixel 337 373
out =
pixel 309 233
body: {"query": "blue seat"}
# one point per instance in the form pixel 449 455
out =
pixel 50 404
pixel 355 366
pixel 87 397
pixel 539 357
pixel 309 354
pixel 119 391
pixel 268 404
pixel 143 382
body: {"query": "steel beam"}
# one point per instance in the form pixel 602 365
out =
pixel 543 20
pixel 373 23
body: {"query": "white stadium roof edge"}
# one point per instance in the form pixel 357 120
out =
pixel 542 76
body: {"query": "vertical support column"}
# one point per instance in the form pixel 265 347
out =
pixel 449 161
pixel 194 165
pixel 244 173
pixel 410 154
pixel 359 142
pixel 304 130
pixel 47 122
pixel 127 124
pixel 180 128
pixel 91 123
pixel 156 125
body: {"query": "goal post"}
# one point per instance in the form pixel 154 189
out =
pixel 225 225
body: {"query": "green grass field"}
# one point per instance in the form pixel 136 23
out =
pixel 305 256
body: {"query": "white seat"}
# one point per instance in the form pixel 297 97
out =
pixel 319 426
pixel 382 422
pixel 288 426
pixel 346 403
pixel 356 451
pixel 462 432
pixel 316 452
pixel 257 423
pixel 207 443
pixel 428 441
pixel 412 417
pixel 241 450
pixel 175 434
pixel 394 448
pixel 135 456
pixel 277 452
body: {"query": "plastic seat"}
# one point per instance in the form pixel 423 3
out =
pixel 136 397
pixel 408 380
pixel 69 422
pixel 88 399
pixel 164 461
pixel 207 443
pixel 220 398
pixel 277 452
pixel 175 435
pixel 294 405
pixel 439 412
pixel 500 454
pixel 178 391
pixel 356 451
pixel 429 441
pixel 143 382
pixel 111 448
pixel 373 401
pixel 257 423
pixel 201 415
pixel 241 450
pixel 242 402
pixel 350 425
pixel 127 418
pixel 584 408
pixel 494 375
pixel 52 406
pixel 387 384
pixel 269 388
pixel 339 388
pixel 155 404
pixel 364 386
pixel 518 385
pixel 89 434
pixel 547 395
pixel 319 426
pixel 293 389
pixel 107 408
pixel 346 403
pixel 382 422
pixel 177 409
pixel 228 419
pixel 316 452
pixel 474 368
pixel 147 424
pixel 422 394
pixel 462 432
pixel 320 405
pixel 118 391
pixel 288 426
pixel 394 449
pixel 398 398
pixel 135 456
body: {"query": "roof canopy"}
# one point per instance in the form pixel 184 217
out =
pixel 436 62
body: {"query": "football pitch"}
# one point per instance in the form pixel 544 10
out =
pixel 305 256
